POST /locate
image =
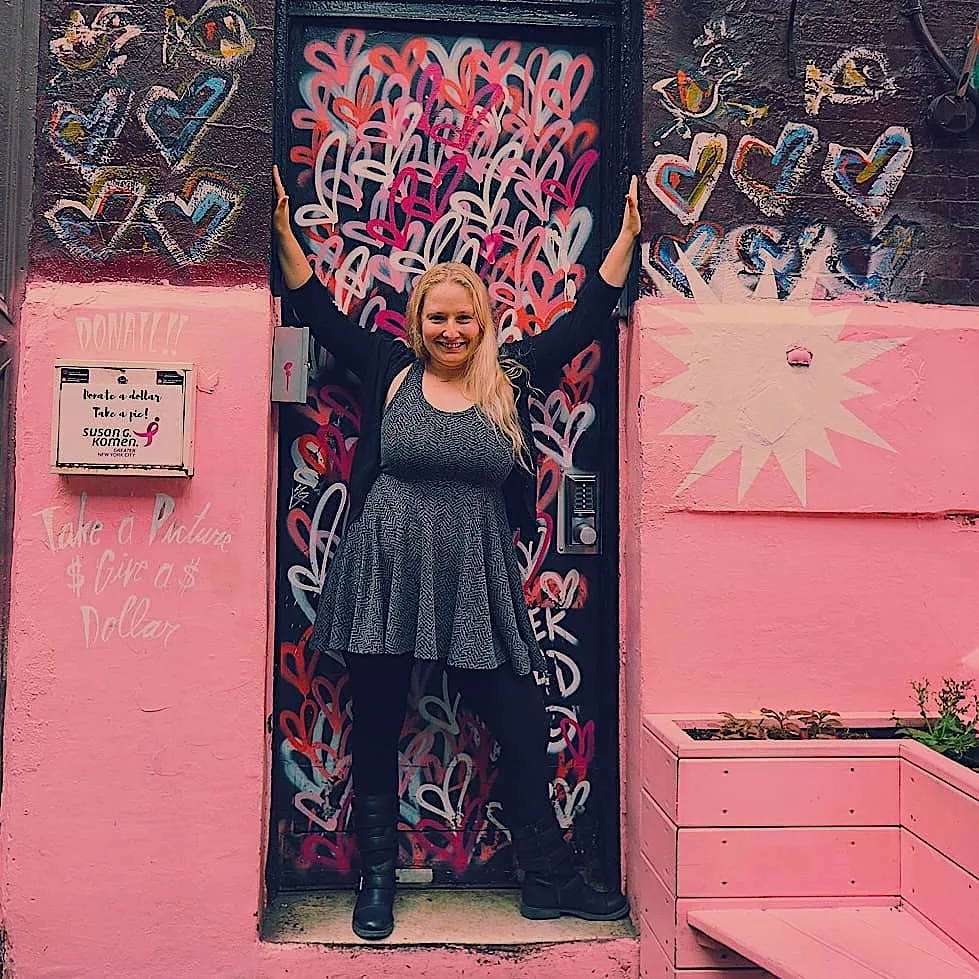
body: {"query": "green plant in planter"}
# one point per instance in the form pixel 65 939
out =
pixel 780 725
pixel 953 732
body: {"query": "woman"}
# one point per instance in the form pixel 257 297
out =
pixel 443 476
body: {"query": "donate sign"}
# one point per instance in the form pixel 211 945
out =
pixel 126 419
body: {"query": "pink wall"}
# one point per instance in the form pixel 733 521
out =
pixel 135 808
pixel 801 568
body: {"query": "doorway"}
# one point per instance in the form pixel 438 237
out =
pixel 402 142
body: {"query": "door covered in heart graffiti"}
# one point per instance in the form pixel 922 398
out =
pixel 403 144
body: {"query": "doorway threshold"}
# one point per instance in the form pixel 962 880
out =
pixel 431 917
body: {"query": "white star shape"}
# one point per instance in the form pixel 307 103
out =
pixel 744 392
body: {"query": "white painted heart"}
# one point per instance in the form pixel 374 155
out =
pixel 441 712
pixel 573 802
pixel 437 798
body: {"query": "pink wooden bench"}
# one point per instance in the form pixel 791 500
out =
pixel 842 943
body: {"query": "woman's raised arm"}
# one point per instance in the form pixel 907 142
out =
pixel 549 351
pixel 292 261
pixel 312 302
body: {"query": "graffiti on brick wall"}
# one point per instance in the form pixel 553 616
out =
pixel 783 177
pixel 125 207
pixel 858 75
pixel 865 181
pixel 705 89
pixel 856 259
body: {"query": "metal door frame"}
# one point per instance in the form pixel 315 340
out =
pixel 620 23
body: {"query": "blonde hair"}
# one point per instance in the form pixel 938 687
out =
pixel 486 383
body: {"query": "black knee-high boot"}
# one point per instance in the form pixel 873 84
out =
pixel 375 822
pixel 552 886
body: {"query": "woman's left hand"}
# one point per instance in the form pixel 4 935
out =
pixel 631 221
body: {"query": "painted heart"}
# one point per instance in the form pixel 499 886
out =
pixel 448 800
pixel 558 427
pixel 580 741
pixel 558 591
pixel 435 205
pixel 867 182
pixel 548 480
pixel 297 663
pixel 311 805
pixel 192 224
pixel 784 252
pixel 567 192
pixel 176 123
pixel 334 852
pixel 701 170
pixel 441 712
pixel 568 802
pixel 701 247
pixel 86 140
pixel 531 554
pixel 328 698
pixel 873 264
pixel 93 230
pixel 791 157
pixel 452 847
pixel 388 231
pixel 493 816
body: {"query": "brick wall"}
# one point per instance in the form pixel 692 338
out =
pixel 154 141
pixel 896 222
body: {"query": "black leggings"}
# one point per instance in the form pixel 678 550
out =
pixel 511 706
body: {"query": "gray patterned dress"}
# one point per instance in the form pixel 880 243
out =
pixel 429 568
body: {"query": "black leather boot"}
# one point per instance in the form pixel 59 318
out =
pixel 375 821
pixel 552 886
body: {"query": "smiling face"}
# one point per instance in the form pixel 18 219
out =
pixel 450 329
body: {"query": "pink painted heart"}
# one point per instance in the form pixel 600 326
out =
pixel 297 663
pixel 436 203
pixel 567 192
pixel 387 230
pixel 580 741
pixel 334 852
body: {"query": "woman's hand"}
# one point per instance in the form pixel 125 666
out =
pixel 631 221
pixel 615 268
pixel 280 217
pixel 295 267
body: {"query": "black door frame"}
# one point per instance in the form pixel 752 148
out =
pixel 620 24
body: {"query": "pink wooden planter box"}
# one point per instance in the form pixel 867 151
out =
pixel 768 824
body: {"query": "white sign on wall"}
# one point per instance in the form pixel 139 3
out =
pixel 123 419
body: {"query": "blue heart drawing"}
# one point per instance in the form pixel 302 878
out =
pixel 86 140
pixel 872 264
pixel 791 158
pixel 177 123
pixel 92 230
pixel 866 182
pixel 785 252
pixel 700 247
pixel 192 224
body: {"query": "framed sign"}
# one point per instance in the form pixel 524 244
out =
pixel 123 419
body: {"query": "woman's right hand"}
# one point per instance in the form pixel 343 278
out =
pixel 280 216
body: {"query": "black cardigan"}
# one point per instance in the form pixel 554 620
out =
pixel 376 357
